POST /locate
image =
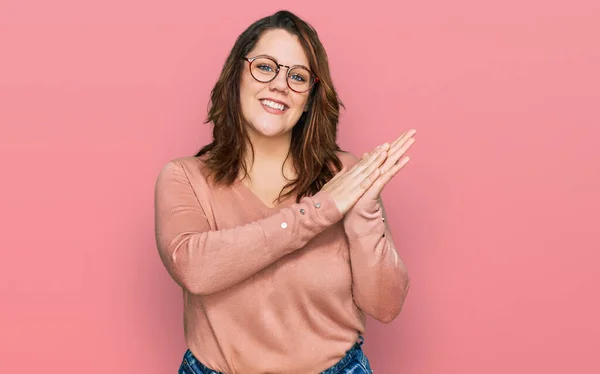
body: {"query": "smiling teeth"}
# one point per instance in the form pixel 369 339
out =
pixel 273 105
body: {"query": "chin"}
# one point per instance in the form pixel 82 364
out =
pixel 271 127
pixel 267 129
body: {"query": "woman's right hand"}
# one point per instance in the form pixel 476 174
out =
pixel 347 186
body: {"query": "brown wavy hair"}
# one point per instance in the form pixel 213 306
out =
pixel 313 145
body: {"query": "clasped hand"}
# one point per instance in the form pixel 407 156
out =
pixel 368 177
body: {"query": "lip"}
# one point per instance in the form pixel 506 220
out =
pixel 275 101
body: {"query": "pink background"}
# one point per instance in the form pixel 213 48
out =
pixel 496 217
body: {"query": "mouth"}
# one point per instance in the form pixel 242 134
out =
pixel 274 105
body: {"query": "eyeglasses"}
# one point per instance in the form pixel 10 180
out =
pixel 264 69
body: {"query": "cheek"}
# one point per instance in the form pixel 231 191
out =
pixel 300 102
pixel 249 87
pixel 248 93
pixel 245 91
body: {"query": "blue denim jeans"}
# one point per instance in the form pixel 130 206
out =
pixel 354 362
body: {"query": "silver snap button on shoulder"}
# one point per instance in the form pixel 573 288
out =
pixel 318 205
pixel 302 211
pixel 283 225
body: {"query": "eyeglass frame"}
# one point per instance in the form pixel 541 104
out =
pixel 250 60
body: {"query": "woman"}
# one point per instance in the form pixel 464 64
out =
pixel 276 236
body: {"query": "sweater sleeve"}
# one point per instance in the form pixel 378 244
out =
pixel 205 261
pixel 379 277
pixel 380 280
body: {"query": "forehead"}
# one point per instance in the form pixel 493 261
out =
pixel 281 45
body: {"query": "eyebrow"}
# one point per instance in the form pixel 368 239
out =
pixel 265 55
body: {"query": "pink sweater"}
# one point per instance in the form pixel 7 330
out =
pixel 273 290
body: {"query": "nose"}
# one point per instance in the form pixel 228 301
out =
pixel 280 81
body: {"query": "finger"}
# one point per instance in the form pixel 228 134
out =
pixel 396 154
pixel 385 146
pixel 397 144
pixel 374 164
pixel 366 183
pixel 396 168
pixel 363 164
pixel 398 139
pixel 369 154
pixel 402 163
pixel 403 138
pixel 377 186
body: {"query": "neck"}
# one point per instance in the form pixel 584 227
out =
pixel 269 155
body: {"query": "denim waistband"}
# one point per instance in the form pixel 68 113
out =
pixel 354 353
pixel 196 366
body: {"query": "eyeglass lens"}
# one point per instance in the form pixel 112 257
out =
pixel 265 69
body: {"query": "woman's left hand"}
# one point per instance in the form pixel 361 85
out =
pixel 395 161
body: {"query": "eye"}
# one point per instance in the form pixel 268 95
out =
pixel 297 77
pixel 265 67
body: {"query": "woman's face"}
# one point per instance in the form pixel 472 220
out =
pixel 272 109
